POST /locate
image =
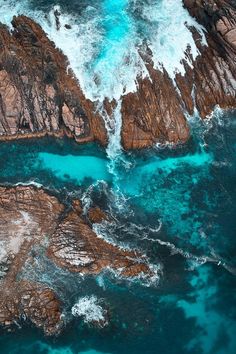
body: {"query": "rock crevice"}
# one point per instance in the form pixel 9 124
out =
pixel 36 224
pixel 38 93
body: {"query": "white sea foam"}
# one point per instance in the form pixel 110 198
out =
pixel 105 57
pixel 3 251
pixel 113 126
pixel 151 278
pixel 103 47
pixel 169 34
pixel 30 183
pixel 148 279
pixel 90 309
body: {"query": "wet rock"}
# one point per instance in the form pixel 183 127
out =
pixel 212 80
pixel 75 246
pixel 57 18
pixel 31 219
pixel 21 301
pixel 38 94
pixel 67 26
pixel 27 215
pixel 156 112
pixel 96 215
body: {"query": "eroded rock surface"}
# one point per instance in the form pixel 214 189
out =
pixel 38 95
pixel 156 112
pixel 33 220
pixel 212 81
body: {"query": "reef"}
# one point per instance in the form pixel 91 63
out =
pixel 34 222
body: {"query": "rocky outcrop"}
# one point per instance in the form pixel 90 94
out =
pixel 212 80
pixel 23 301
pixel 38 94
pixel 33 221
pixel 96 215
pixel 156 112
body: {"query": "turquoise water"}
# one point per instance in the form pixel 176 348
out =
pixel 75 167
pixel 175 205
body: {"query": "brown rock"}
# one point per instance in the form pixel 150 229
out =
pixel 75 246
pixel 24 300
pixel 27 215
pixel 96 215
pixel 212 80
pixel 31 219
pixel 155 113
pixel 38 95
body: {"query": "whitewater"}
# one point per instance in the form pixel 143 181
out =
pixel 106 58
pixel 175 205
pixel 105 43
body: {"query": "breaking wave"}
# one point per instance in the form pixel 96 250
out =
pixel 106 38
pixel 90 309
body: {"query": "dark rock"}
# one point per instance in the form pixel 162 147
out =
pixel 68 26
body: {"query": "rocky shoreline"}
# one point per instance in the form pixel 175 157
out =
pixel 33 220
pixel 39 96
pixel 157 111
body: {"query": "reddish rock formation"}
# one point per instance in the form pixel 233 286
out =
pixel 27 215
pixel 213 77
pixel 38 95
pixel 31 219
pixel 155 113
pixel 76 247
pixel 96 215
pixel 22 300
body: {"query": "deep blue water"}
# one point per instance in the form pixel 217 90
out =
pixel 177 205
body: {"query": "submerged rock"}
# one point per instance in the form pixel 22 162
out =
pixel 96 215
pixel 32 218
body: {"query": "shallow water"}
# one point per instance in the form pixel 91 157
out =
pixel 177 205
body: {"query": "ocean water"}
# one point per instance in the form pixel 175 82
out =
pixel 176 205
